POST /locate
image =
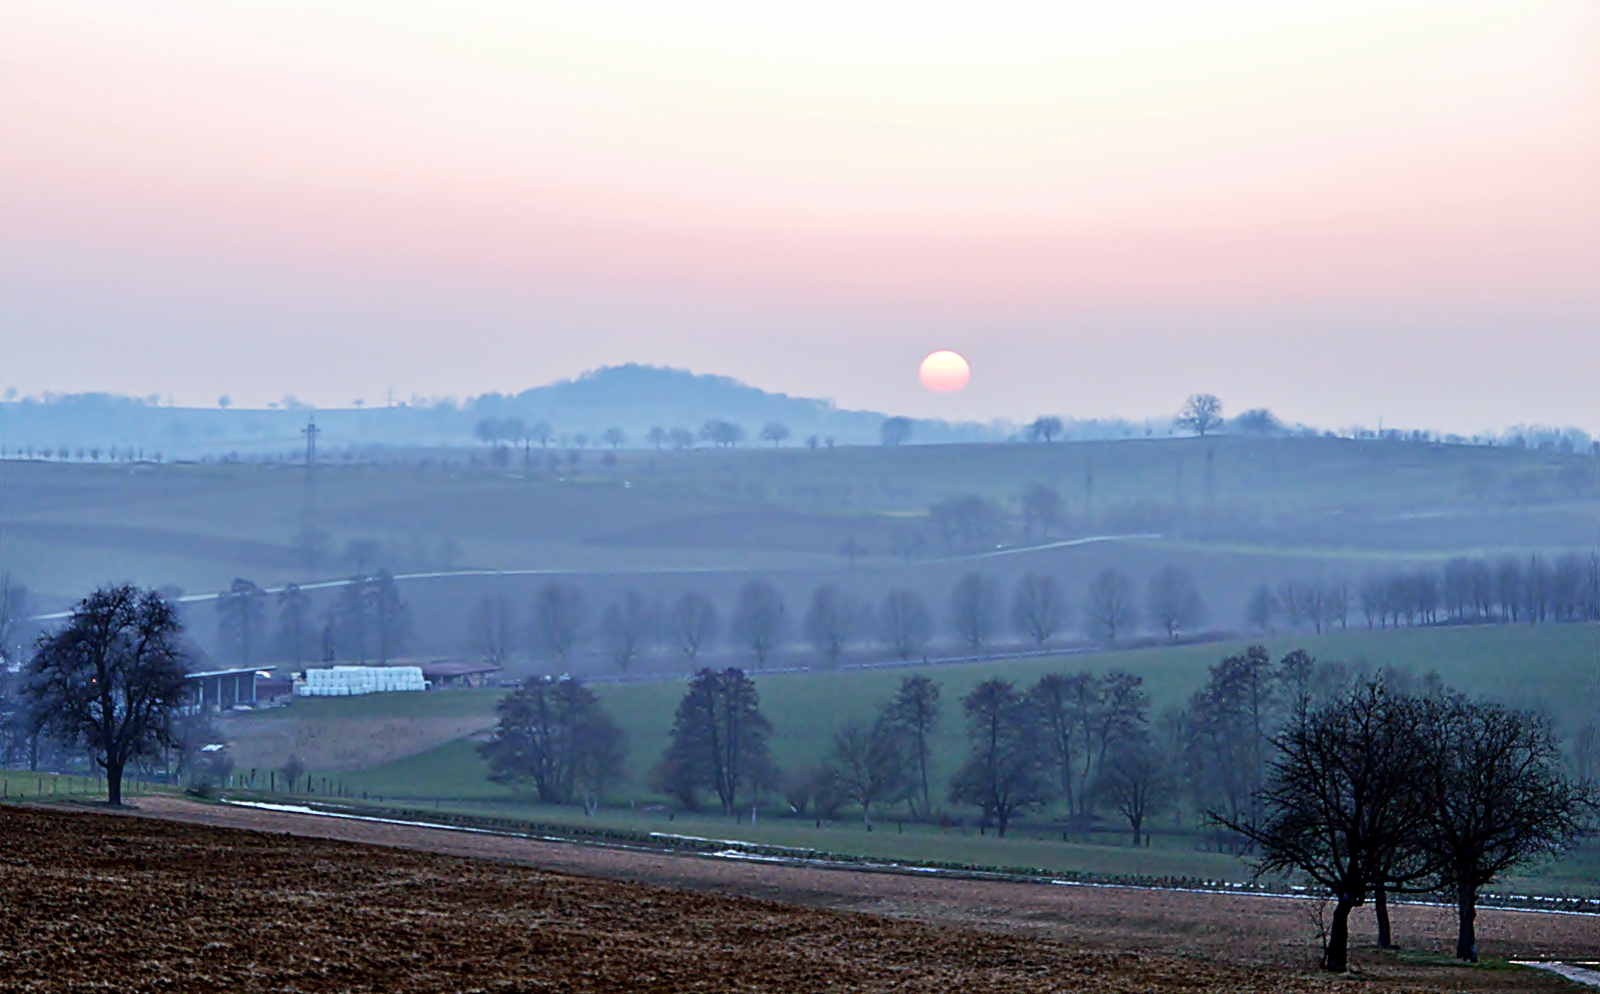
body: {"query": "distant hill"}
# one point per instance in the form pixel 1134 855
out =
pixel 633 398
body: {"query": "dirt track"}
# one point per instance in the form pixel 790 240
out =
pixel 325 882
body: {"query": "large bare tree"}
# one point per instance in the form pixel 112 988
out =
pixel 111 678
pixel 1497 798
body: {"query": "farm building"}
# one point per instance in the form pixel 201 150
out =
pixel 349 681
pixel 458 673
pixel 219 690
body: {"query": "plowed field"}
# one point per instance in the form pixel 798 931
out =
pixel 99 902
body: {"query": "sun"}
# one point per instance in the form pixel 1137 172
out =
pixel 944 371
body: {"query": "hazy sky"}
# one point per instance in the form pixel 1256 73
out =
pixel 1342 211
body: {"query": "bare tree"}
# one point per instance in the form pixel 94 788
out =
pixel 1002 774
pixel 242 621
pixel 833 619
pixel 111 678
pixel 1202 414
pixel 718 741
pixel 975 610
pixel 1342 790
pixel 1136 781
pixel 625 627
pixel 1110 611
pixel 693 624
pixel 1039 609
pixel 1044 428
pixel 1174 601
pixel 870 764
pixel 554 735
pixel 775 432
pixel 894 431
pixel 557 620
pixel 722 434
pixel 656 436
pixel 913 711
pixel 1497 798
pixel 681 438
pixel 492 628
pixel 759 621
pixel 904 623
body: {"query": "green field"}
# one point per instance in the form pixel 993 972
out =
pixel 1555 667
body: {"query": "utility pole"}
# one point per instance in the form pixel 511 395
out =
pixel 311 431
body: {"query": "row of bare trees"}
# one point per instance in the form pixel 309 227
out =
pixel 1508 590
pixel 630 626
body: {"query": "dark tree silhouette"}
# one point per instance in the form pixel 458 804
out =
pixel 871 765
pixel 894 431
pixel 1135 780
pixel 1497 797
pixel 1044 428
pixel 296 631
pixel 718 741
pixel 913 711
pixel 1341 795
pixel 1202 414
pixel 1003 773
pixel 554 735
pixel 111 678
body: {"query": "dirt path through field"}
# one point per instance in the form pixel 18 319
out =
pixel 1237 929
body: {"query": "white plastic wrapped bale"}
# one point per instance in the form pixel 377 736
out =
pixel 347 681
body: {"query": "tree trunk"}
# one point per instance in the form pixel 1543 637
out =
pixel 1137 824
pixel 1336 957
pixel 1467 934
pixel 113 784
pixel 1380 905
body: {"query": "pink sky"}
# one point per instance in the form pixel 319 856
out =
pixel 1342 212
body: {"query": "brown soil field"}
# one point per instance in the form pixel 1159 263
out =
pixel 91 901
